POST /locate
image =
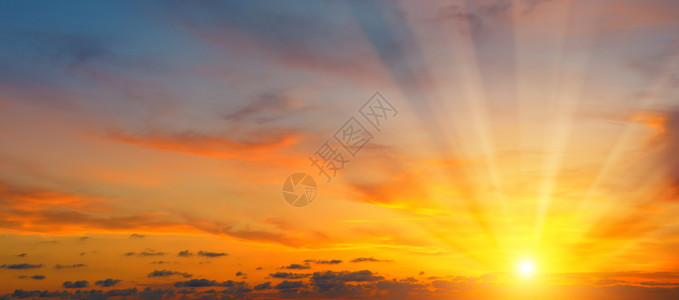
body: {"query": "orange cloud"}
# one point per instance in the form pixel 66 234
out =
pixel 221 146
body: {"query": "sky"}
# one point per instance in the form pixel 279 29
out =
pixel 512 149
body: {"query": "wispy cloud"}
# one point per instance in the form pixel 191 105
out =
pixel 21 266
pixel 368 259
pixel 59 267
pixel 166 273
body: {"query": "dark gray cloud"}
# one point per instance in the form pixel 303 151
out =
pixel 263 286
pixel 76 284
pixel 232 287
pixel 366 284
pixel 146 252
pixel 22 255
pixel 334 284
pixel 296 267
pixel 147 293
pixel 197 283
pixel 212 254
pixel 107 282
pixel 166 273
pixel 36 277
pixel 21 266
pixel 287 285
pixel 185 253
pixel 399 289
pixel 346 276
pixel 59 267
pixel 324 262
pixel 287 275
pixel 137 236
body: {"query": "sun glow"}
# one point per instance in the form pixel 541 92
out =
pixel 526 268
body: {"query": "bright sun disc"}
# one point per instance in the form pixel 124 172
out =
pixel 526 268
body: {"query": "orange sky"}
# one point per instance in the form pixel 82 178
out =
pixel 146 146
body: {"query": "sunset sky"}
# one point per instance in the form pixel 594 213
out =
pixel 528 149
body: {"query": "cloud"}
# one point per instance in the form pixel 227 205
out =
pixel 233 287
pixel 137 236
pixel 75 284
pixel 287 285
pixel 369 259
pixel 263 286
pixel 453 285
pixel 166 273
pixel 368 284
pixel 239 273
pixel 668 133
pixel 150 252
pixel 21 266
pixel 51 54
pixel 36 277
pixel 287 275
pixel 266 108
pixel 477 18
pixel 212 254
pixel 296 267
pixel 346 276
pixel 295 46
pixel 146 252
pixel 22 255
pixel 334 284
pixel 610 282
pixel 397 289
pixel 59 267
pixel 473 20
pixel 69 213
pixel 147 293
pixel 225 145
pixel 324 262
pixel 29 199
pixel 107 282
pixel 185 253
pixel 400 191
pixel 196 283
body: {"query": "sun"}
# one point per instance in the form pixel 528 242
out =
pixel 526 268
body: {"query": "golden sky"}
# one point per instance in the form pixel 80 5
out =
pixel 496 149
